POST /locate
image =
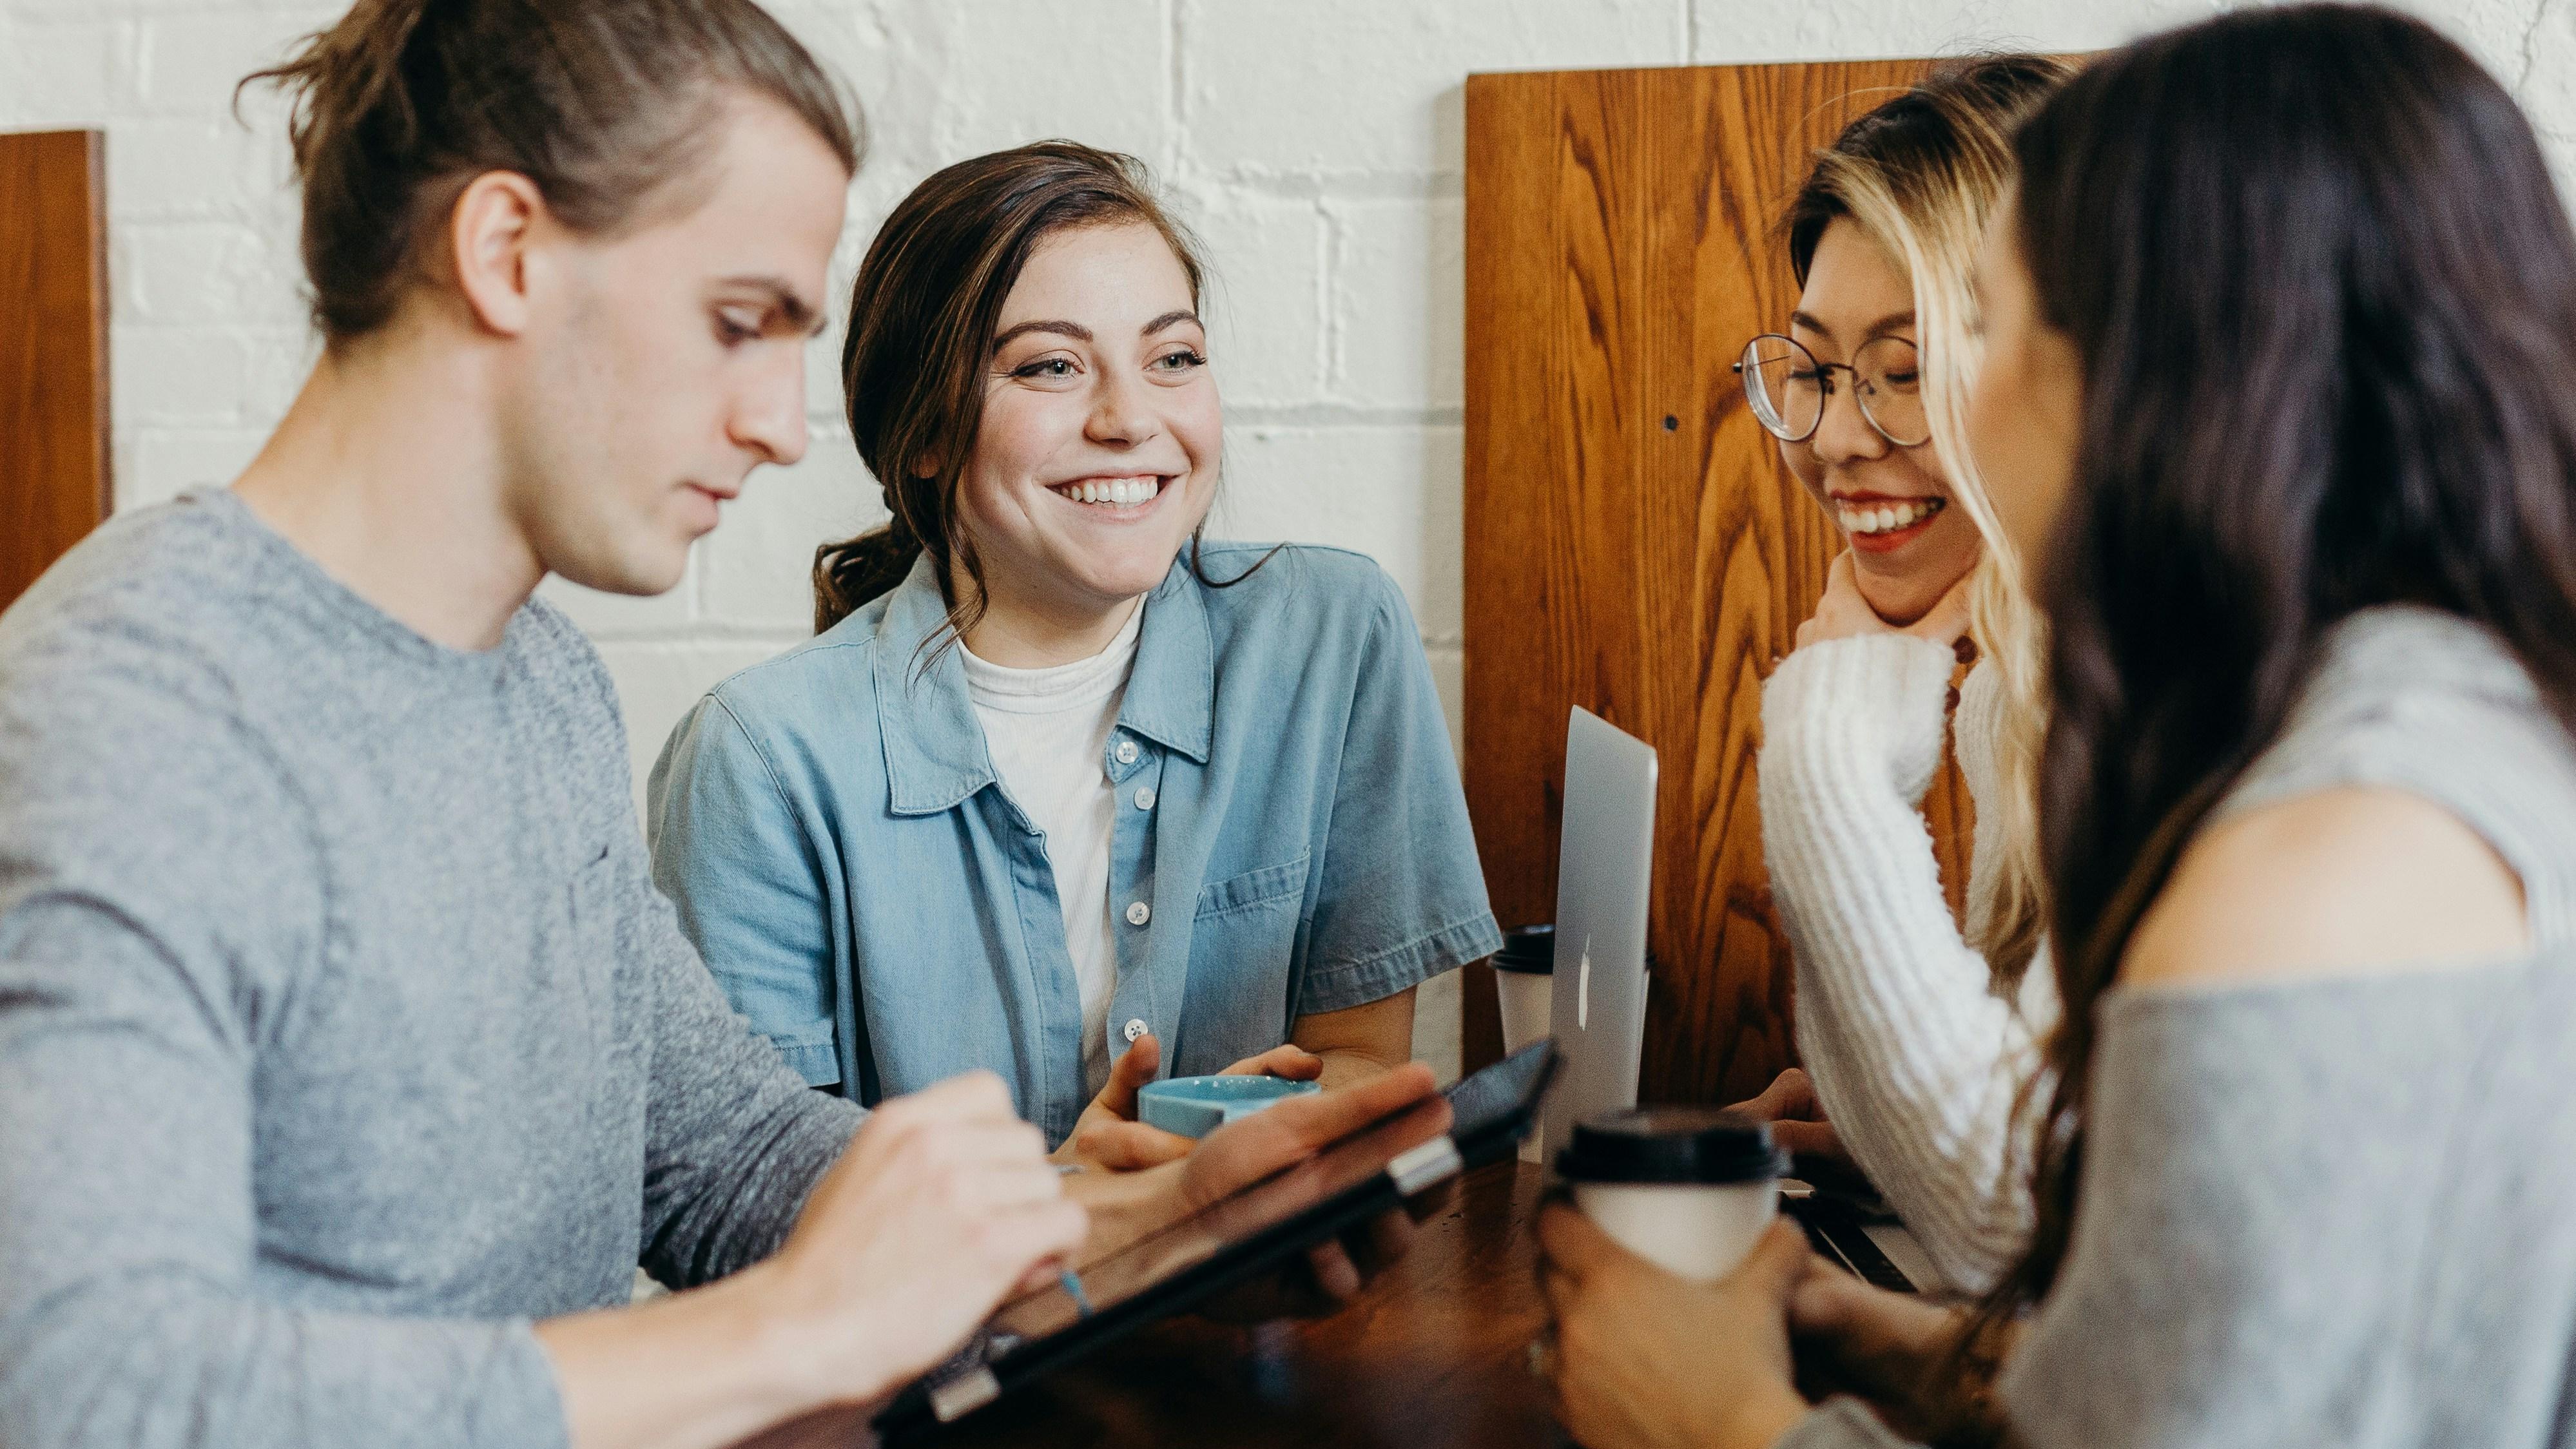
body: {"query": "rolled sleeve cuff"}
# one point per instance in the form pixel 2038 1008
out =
pixel 810 1052
pixel 1341 985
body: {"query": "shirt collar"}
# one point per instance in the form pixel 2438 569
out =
pixel 1171 698
pixel 934 746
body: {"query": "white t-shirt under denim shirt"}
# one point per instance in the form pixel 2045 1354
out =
pixel 1048 731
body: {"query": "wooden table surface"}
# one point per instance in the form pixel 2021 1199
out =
pixel 1434 1354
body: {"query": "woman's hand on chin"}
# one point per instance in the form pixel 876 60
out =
pixel 1108 1138
pixel 1844 614
pixel 1642 1359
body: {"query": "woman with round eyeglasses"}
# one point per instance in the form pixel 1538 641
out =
pixel 1916 1036
pixel 1788 387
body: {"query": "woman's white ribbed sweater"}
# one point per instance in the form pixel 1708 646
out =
pixel 1914 1056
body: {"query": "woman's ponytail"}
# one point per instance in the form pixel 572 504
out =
pixel 850 573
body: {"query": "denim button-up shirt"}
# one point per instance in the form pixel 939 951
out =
pixel 1291 838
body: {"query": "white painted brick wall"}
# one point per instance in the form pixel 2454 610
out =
pixel 1316 144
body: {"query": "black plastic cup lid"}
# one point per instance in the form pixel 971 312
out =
pixel 1692 1145
pixel 1530 949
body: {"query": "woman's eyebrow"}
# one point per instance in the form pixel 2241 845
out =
pixel 1169 319
pixel 1074 330
pixel 1893 321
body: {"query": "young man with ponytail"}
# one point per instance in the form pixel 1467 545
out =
pixel 349 1062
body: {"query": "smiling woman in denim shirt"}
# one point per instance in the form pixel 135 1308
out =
pixel 1061 789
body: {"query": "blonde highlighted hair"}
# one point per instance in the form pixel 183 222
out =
pixel 1920 176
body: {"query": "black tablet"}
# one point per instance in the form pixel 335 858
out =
pixel 1254 1232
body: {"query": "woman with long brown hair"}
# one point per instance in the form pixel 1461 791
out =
pixel 2274 398
pixel 1062 788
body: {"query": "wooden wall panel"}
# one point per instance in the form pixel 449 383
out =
pixel 54 485
pixel 1633 542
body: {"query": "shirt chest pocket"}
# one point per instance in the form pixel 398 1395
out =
pixel 1245 932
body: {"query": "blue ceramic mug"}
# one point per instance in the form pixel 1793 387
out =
pixel 1197 1106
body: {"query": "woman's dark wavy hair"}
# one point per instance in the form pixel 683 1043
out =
pixel 2324 295
pixel 923 312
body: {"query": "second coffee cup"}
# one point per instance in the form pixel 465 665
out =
pixel 1523 978
pixel 1689 1189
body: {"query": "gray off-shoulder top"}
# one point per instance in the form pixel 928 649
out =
pixel 2340 1211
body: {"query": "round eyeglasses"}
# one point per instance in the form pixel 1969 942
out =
pixel 1788 388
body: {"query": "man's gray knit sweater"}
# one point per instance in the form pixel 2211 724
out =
pixel 342 1032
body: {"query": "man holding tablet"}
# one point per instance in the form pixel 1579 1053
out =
pixel 349 1061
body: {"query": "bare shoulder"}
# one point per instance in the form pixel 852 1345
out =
pixel 2351 880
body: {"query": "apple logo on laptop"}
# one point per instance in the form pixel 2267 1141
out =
pixel 1583 989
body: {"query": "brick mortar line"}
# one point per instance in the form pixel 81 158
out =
pixel 1360 185
pixel 1339 414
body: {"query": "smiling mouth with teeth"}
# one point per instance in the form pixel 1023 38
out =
pixel 1112 492
pixel 1894 516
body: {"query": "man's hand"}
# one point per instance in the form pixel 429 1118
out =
pixel 1248 1149
pixel 1108 1138
pixel 942 1204
pixel 1797 1119
pixel 1243 1152
pixel 1252 1148
pixel 1643 1359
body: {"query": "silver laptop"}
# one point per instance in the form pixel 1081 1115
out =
pixel 1604 863
pixel 1597 1012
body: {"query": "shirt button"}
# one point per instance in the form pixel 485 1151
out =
pixel 1126 752
pixel 1144 797
pixel 1138 913
pixel 1135 1028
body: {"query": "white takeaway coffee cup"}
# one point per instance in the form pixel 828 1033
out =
pixel 1523 980
pixel 1689 1189
pixel 1524 983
